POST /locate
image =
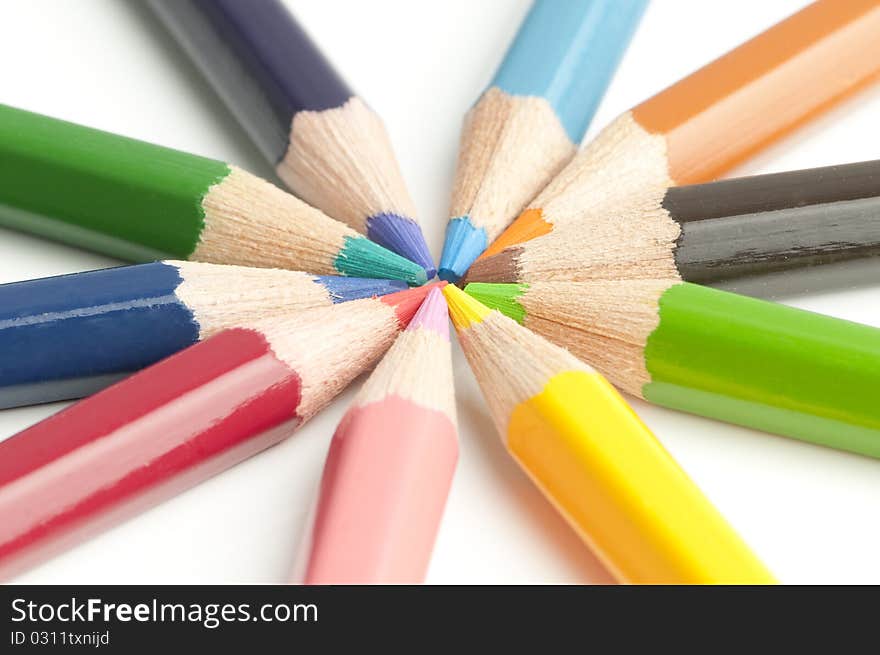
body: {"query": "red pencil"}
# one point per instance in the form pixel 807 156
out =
pixel 181 421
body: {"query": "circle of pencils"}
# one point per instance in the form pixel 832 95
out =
pixel 713 119
pixel 68 336
pixel 137 201
pixel 181 421
pixel 251 309
pixel 527 124
pixel 390 464
pixel 717 354
pixel 327 145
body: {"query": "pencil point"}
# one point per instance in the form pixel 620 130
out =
pixel 463 245
pixel 433 314
pixel 500 268
pixel 502 297
pixel 360 257
pixel 464 310
pixel 343 289
pixel 406 303
pixel 403 236
pixel 529 225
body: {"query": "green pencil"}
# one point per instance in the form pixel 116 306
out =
pixel 714 353
pixel 141 202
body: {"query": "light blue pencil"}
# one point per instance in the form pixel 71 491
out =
pixel 527 124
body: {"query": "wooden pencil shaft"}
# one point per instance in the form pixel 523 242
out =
pixel 385 483
pixel 828 278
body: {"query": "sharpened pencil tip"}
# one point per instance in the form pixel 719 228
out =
pixel 403 236
pixel 503 297
pixel 529 225
pixel 360 257
pixel 502 267
pixel 433 314
pixel 343 289
pixel 406 303
pixel 464 243
pixel 463 310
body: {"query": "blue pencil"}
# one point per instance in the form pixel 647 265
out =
pixel 68 336
pixel 526 126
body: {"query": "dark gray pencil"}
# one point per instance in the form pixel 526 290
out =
pixel 713 232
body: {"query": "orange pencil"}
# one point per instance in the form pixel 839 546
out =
pixel 710 121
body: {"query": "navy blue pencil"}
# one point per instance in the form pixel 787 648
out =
pixel 326 144
pixel 68 336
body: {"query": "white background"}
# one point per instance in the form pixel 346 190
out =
pixel 811 513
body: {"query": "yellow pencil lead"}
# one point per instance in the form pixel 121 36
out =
pixel 463 309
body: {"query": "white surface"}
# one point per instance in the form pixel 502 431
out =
pixel 809 512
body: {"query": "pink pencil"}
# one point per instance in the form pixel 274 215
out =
pixel 390 465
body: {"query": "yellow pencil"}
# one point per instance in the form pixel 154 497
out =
pixel 593 458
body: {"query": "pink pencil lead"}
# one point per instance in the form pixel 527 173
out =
pixel 433 314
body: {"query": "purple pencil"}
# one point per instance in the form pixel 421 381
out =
pixel 326 144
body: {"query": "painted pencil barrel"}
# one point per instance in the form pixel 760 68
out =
pixel 621 491
pixel 765 88
pixel 258 60
pixel 566 53
pixel 385 485
pixel 766 366
pixel 766 223
pixel 732 247
pixel 122 197
pixel 68 336
pixel 135 444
